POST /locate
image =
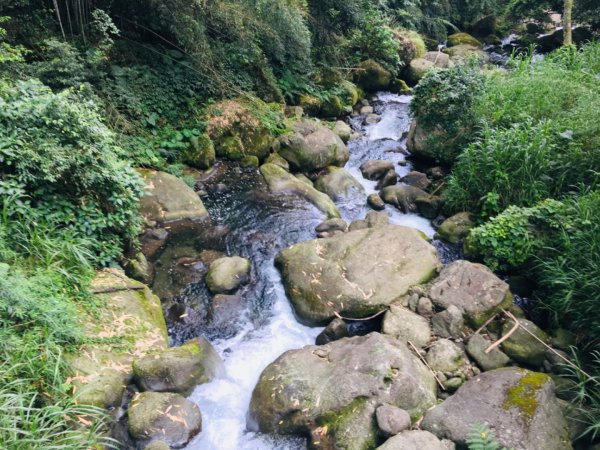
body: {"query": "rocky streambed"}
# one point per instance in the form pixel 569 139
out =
pixel 325 234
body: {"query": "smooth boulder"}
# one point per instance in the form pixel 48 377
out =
pixel 226 275
pixel 455 229
pixel 416 440
pixel 403 197
pixel 517 404
pixel 282 182
pixel 375 169
pixel 338 184
pixel 473 289
pixel 405 325
pixel 312 146
pixel 330 393
pixel 357 273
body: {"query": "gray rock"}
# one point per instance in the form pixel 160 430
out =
pixel 226 275
pixel 376 202
pixel 335 274
pixel 375 169
pixel 425 307
pixel 158 445
pixel 338 184
pixel 473 289
pixel 331 227
pixel 521 346
pixel 282 182
pixel 392 420
pixel 429 206
pixel 456 228
pixel 416 440
pixel 278 160
pixel 417 179
pixel 365 110
pixel 337 329
pixel 403 197
pixel 340 384
pixel 476 346
pixel 343 130
pixel 178 369
pixel 439 59
pixel 312 146
pixel 168 417
pixel 448 323
pixel 405 325
pixel 518 405
pixel 445 356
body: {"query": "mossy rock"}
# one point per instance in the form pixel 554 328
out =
pixel 332 107
pixel 372 77
pixel 399 86
pixel 200 153
pixel 168 417
pixel 178 369
pixel 310 104
pixel 463 52
pixel 418 68
pixel 226 275
pixel 456 228
pixel 463 38
pixel 250 161
pixel 278 160
pixel 353 92
pixel 522 347
pixel 103 389
pixel 339 184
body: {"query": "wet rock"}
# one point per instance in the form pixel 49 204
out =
pixel 456 228
pixel 392 420
pixel 250 161
pixel 331 227
pixel 521 346
pixel 343 130
pixel 519 405
pixel 337 329
pixel 366 110
pixel 375 169
pixel 149 419
pixel 337 273
pixel 448 323
pixel 178 369
pixel 152 241
pixel 338 184
pixel 429 206
pixel 376 202
pixel 170 200
pixel 304 179
pixel 389 179
pixel 417 179
pixel 445 356
pixel 187 270
pixel 340 385
pixel 372 77
pixel 403 197
pixel 372 219
pixel 476 346
pixel 225 311
pixel 283 182
pixel 405 325
pixel 473 289
pixel 227 274
pixel 312 146
pixel 372 119
pixel 416 440
pixel 278 160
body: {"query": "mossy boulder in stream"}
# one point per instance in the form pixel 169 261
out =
pixel 163 416
pixel 518 405
pixel 463 38
pixel 178 369
pixel 456 228
pixel 338 184
pixel 522 346
pixel 200 153
pixel 355 274
pixel 282 182
pixel 312 146
pixel 330 393
pixel 227 274
pixel 372 77
pixel 473 289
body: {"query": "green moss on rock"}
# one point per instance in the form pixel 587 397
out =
pixel 463 38
pixel 523 395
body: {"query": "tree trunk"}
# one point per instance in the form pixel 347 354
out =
pixel 568 22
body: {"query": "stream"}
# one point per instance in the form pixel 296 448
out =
pixel 263 327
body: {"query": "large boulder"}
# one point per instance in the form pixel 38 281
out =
pixel 416 440
pixel 403 197
pixel 237 129
pixel 312 146
pixel 472 288
pixel 170 200
pixel 170 418
pixel 338 184
pixel 178 369
pixel 518 405
pixel 282 182
pixel 227 274
pixel 463 38
pixel 343 130
pixel 357 273
pixel 456 228
pixel 372 77
pixel 331 393
pixel 464 52
pixel 127 312
pixel 200 153
pixel 375 169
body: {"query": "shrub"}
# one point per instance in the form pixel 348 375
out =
pixel 520 165
pixel 65 169
pixel 443 106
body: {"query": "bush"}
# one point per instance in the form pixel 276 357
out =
pixel 64 169
pixel 443 105
pixel 520 165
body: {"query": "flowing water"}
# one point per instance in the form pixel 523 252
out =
pixel 261 225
